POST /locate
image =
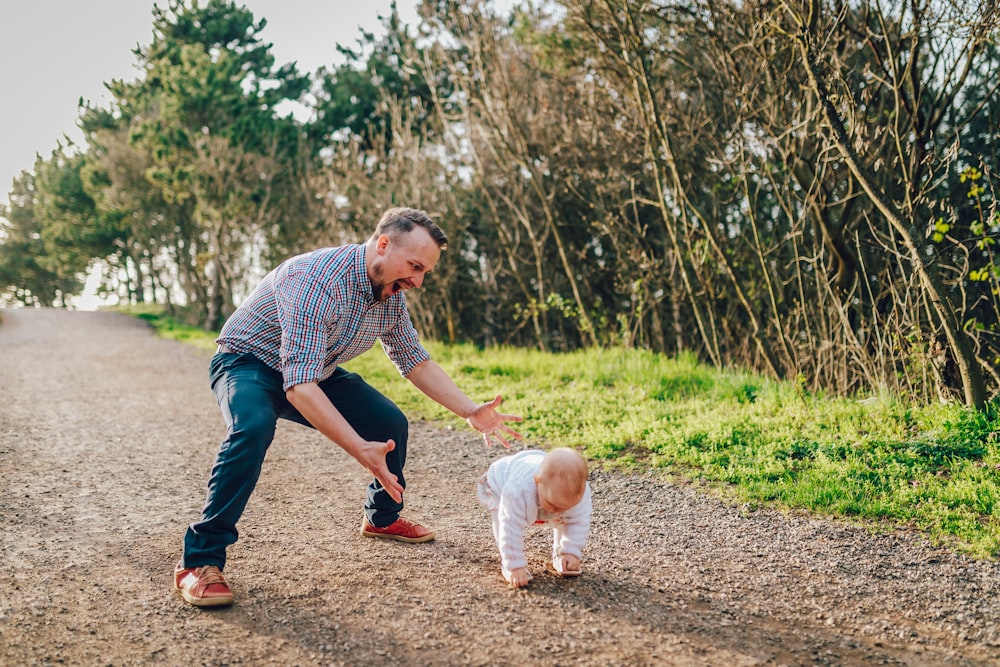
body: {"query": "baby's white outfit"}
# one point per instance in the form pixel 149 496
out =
pixel 507 489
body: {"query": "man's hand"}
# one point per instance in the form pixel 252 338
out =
pixel 372 456
pixel 485 419
pixel 431 379
pixel 313 404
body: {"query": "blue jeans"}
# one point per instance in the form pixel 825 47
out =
pixel 252 400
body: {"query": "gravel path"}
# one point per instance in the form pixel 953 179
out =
pixel 107 434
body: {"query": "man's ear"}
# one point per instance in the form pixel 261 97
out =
pixel 382 243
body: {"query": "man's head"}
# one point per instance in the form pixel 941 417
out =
pixel 405 247
pixel 561 479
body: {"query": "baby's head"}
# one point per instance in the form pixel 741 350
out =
pixel 561 479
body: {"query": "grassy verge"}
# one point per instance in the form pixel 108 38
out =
pixel 877 459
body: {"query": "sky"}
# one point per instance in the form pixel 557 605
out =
pixel 53 52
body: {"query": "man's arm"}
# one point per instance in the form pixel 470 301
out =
pixel 313 404
pixel 437 385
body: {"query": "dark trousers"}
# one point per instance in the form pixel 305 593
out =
pixel 252 400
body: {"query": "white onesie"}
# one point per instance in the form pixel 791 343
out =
pixel 507 489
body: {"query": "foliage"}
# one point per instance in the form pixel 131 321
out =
pixel 352 99
pixel 23 277
pixel 803 190
pixel 50 238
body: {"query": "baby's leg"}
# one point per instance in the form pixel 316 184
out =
pixel 495 518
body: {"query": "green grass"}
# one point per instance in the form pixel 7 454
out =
pixel 876 460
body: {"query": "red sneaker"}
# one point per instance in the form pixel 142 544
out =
pixel 400 529
pixel 202 586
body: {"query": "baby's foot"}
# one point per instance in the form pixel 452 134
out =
pixel 559 565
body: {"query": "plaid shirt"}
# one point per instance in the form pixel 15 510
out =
pixel 317 310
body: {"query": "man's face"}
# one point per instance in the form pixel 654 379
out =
pixel 402 262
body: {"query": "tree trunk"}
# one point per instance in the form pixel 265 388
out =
pixel 973 382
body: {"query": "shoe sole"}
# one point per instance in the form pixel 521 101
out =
pixel 399 538
pixel 204 602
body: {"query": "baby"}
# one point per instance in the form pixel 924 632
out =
pixel 535 487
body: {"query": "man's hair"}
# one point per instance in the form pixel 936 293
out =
pixel 400 220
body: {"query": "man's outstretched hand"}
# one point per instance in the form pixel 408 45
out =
pixel 489 422
pixel 372 457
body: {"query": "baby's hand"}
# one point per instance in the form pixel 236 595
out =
pixel 567 565
pixel 519 577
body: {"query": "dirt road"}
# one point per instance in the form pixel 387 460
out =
pixel 107 435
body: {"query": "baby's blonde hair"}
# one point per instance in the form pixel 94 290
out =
pixel 566 470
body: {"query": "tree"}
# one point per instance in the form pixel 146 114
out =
pixel 353 98
pixel 24 279
pixel 204 121
pixel 923 56
pixel 782 138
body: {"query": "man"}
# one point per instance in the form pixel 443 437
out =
pixel 279 356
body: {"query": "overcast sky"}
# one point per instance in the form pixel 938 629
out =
pixel 53 52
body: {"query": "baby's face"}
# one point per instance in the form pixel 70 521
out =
pixel 554 499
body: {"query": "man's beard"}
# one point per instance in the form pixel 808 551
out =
pixel 377 285
pixel 379 288
pixel 384 291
